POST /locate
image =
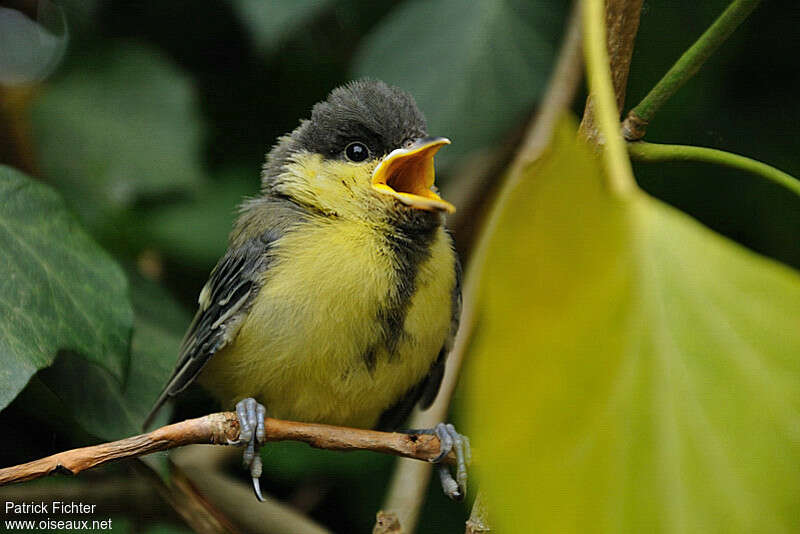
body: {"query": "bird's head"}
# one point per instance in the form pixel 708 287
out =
pixel 364 153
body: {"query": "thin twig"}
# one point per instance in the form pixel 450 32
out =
pixel 387 523
pixel 198 513
pixel 688 64
pixel 407 487
pixel 656 152
pixel 205 467
pixel 622 25
pixel 223 429
pixel 478 522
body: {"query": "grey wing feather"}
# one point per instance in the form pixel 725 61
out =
pixel 426 390
pixel 227 294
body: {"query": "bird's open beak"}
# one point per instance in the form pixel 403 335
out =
pixel 407 174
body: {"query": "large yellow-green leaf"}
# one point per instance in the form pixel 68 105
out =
pixel 632 370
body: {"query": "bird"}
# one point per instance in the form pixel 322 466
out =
pixel 339 296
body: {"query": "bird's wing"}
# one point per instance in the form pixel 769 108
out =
pixel 426 390
pixel 434 379
pixel 222 304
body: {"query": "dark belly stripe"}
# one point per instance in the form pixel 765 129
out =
pixel 409 248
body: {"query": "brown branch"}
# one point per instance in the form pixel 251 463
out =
pixel 387 523
pixel 223 429
pixel 198 513
pixel 622 24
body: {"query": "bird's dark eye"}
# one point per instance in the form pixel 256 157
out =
pixel 356 151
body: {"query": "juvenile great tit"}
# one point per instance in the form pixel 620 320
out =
pixel 339 296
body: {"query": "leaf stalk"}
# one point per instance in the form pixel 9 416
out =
pixel 635 124
pixel 656 152
pixel 618 172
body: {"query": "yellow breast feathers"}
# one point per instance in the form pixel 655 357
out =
pixel 348 318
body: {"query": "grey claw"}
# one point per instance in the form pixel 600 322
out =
pixel 467 450
pixel 445 440
pixel 261 433
pixel 451 440
pixel 249 454
pixel 449 485
pixel 252 433
pixel 257 489
pixel 245 428
pixel 255 473
pixel 463 458
pixel 461 444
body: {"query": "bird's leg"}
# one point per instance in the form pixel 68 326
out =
pixel 251 432
pixel 450 440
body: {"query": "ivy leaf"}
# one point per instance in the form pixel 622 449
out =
pixel 103 407
pixel 633 371
pixel 475 68
pixel 58 290
pixel 122 127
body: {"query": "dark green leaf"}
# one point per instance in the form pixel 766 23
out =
pixel 97 402
pixel 58 289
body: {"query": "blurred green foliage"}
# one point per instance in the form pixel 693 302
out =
pixel 122 129
pixel 475 77
pixel 270 22
pixel 158 120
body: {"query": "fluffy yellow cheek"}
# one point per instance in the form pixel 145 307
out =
pixel 336 187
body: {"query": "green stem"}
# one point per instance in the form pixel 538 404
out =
pixel 618 172
pixel 691 61
pixel 653 152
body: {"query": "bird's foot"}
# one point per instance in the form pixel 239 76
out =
pixel 252 434
pixel 450 440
